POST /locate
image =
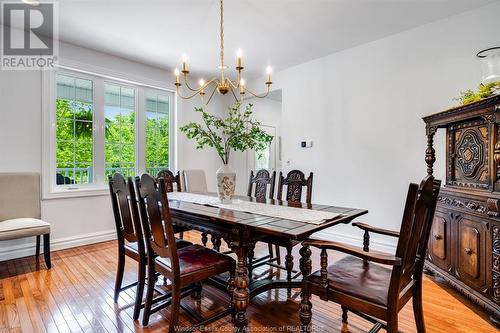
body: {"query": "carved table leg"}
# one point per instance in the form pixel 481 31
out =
pixel 204 238
pixel 241 294
pixel 289 268
pixel 305 304
pixel 216 242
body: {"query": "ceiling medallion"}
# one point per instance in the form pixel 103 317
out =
pixel 222 84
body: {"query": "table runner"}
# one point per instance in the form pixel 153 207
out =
pixel 282 212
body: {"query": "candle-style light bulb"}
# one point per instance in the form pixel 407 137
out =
pixel 242 86
pixel 177 73
pixel 202 87
pixel 201 82
pixel 239 55
pixel 269 72
pixel 184 63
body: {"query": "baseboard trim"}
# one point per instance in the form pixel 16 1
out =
pixel 28 249
pixel 357 241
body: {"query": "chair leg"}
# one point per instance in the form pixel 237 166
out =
pixel 119 273
pixel 149 294
pixel 278 254
pixel 204 238
pixel 344 314
pixel 141 280
pixel 270 249
pixel 174 310
pixel 418 311
pixel 46 250
pixel 289 268
pixel 392 324
pixel 305 313
pixel 37 248
pixel 181 235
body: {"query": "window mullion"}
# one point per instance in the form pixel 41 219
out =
pixel 99 132
pixel 140 138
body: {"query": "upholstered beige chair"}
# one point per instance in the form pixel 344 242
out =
pixel 194 181
pixel 20 210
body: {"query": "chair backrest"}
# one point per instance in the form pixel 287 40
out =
pixel 195 181
pixel 19 195
pixel 261 179
pixel 156 220
pixel 294 182
pixel 125 210
pixel 415 229
pixel 170 180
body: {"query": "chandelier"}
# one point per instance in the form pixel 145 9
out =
pixel 222 83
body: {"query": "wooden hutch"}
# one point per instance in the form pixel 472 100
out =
pixel 464 247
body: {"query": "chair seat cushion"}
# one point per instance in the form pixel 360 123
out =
pixel 352 276
pixel 23 227
pixel 195 258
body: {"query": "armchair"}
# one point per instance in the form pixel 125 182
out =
pixel 372 284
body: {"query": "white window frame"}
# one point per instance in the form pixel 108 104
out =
pixel 99 76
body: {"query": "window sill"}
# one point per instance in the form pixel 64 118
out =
pixel 64 193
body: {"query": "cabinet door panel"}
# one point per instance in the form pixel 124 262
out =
pixel 438 240
pixel 471 253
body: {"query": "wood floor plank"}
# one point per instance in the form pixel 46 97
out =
pixel 76 295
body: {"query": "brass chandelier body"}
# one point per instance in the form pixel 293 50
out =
pixel 222 84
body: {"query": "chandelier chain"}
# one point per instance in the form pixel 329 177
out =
pixel 222 34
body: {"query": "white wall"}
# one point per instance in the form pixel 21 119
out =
pixel 74 221
pixel 362 108
pixel 268 112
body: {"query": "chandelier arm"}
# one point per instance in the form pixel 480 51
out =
pixel 200 88
pixel 189 96
pixel 211 95
pixel 235 85
pixel 258 96
pixel 232 91
pixel 187 84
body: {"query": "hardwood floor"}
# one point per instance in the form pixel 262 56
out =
pixel 77 295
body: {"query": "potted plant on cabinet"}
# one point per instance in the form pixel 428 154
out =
pixel 238 131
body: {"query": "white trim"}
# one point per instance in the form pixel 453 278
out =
pixel 375 244
pixel 25 250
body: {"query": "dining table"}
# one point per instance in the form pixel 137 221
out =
pixel 241 230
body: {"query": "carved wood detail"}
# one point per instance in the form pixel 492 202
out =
pixel 466 204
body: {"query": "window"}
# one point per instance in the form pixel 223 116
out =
pixel 74 131
pixel 119 113
pixel 157 132
pixel 97 125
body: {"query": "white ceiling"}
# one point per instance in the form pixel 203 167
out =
pixel 280 33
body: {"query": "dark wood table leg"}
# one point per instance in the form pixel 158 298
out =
pixel 241 294
pixel 289 268
pixel 305 312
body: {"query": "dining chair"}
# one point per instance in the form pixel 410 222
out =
pixel 130 237
pixel 184 267
pixel 195 180
pixel 20 211
pixel 294 182
pixel 170 181
pixel 371 284
pixel 261 186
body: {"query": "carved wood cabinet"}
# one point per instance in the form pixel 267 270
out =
pixel 464 246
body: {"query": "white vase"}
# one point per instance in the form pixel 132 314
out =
pixel 226 183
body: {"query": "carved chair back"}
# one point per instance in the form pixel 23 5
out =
pixel 261 180
pixel 125 210
pixel 414 234
pixel 156 221
pixel 170 180
pixel 295 180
